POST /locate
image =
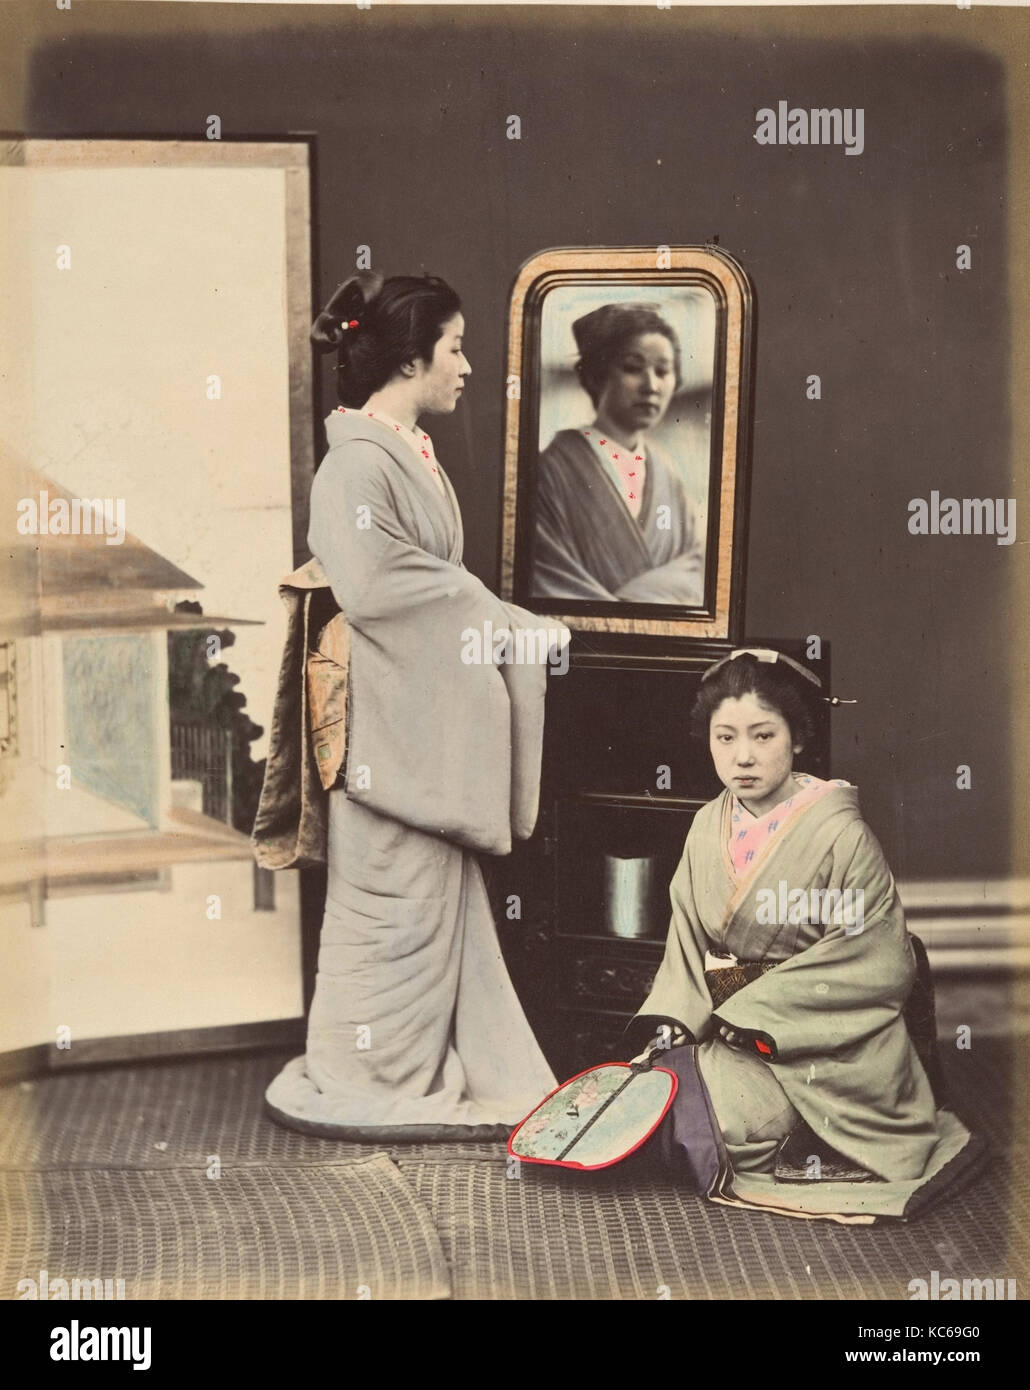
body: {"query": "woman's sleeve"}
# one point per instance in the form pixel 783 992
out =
pixel 845 987
pixel 375 567
pixel 559 570
pixel 681 579
pixel 679 992
pixel 449 740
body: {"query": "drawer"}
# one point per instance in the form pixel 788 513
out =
pixel 618 984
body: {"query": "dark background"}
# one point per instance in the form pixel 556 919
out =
pixel 637 128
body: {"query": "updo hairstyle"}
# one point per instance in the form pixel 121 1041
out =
pixel 376 325
pixel 775 684
pixel 605 333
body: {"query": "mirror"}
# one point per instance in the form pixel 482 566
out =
pixel 626 450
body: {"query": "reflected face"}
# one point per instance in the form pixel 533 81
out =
pixel 753 752
pixel 639 385
pixel 440 381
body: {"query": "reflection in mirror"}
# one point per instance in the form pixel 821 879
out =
pixel 625 440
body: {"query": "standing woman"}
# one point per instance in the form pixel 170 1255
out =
pixel 415 1030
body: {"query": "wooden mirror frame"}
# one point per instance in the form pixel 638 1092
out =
pixel 707 267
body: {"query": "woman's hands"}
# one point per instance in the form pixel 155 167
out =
pixel 668 1035
pixel 745 1040
pixel 679 581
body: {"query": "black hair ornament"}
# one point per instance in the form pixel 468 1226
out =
pixel 340 315
pixel 769 655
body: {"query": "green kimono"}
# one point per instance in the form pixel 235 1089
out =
pixel 819 1038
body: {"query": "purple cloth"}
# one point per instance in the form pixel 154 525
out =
pixel 687 1142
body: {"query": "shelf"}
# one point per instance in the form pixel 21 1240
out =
pixel 588 1011
pixel 608 939
pixel 637 801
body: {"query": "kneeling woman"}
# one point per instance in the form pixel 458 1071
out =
pixel 786 974
pixel 782 1004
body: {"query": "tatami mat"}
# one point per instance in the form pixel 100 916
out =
pixel 163 1115
pixel 105 1173
pixel 351 1230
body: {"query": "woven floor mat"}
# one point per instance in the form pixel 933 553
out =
pixel 176 1113
pixel 105 1176
pixel 168 1115
pixel 340 1231
pixel 549 1234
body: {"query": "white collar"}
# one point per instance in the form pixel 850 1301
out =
pixel 411 435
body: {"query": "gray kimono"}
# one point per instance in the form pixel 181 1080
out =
pixel 587 545
pixel 415 1028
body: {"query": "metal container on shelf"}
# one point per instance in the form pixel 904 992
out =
pixel 630 895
